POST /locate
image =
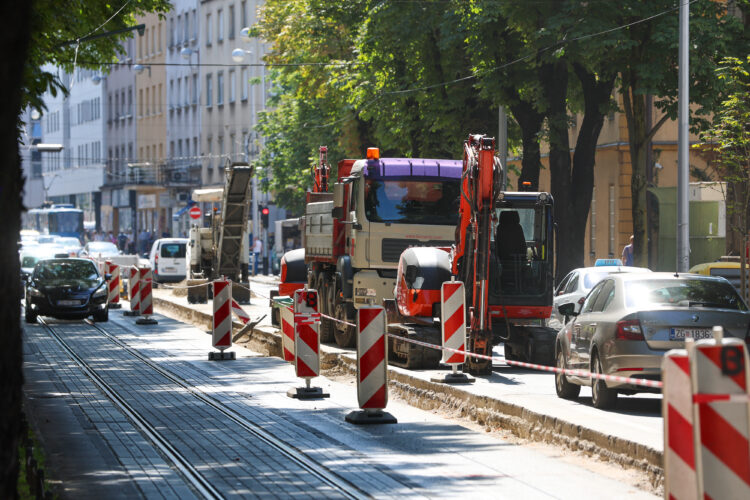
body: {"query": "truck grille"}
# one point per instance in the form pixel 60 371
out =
pixel 391 248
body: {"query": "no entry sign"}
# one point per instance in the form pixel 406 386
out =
pixel 195 212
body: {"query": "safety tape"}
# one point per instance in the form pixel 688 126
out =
pixel 553 369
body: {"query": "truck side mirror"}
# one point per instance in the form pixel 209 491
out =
pixel 410 275
pixel 337 213
pixel 338 195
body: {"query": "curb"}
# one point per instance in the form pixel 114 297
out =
pixel 492 413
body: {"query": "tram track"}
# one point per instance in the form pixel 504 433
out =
pixel 191 474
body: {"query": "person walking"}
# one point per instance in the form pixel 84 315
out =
pixel 627 253
pixel 257 249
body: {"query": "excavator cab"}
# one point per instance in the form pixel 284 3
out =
pixel 521 260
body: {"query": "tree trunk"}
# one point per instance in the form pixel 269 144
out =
pixel 639 137
pixel 530 121
pixel 14 39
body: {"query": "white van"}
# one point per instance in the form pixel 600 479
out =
pixel 167 259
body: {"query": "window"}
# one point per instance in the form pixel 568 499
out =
pixel 231 22
pixel 209 92
pixel 172 37
pixel 158 101
pixel 140 47
pixel 232 146
pixel 221 147
pixel 592 223
pixel 208 30
pixel 171 149
pixel 195 147
pixel 243 14
pixel 232 82
pixel 148 103
pixel 159 41
pixel 219 25
pixel 605 296
pixel 572 285
pixel 244 82
pixel 195 89
pixel 209 143
pixel 171 94
pixel 588 306
pixel 220 88
pixel 130 101
pixel 178 93
pixel 177 30
pixel 186 31
pixel 186 95
pixel 140 102
pixel 195 24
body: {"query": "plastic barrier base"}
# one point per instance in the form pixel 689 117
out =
pixel 222 356
pixel 307 393
pixel 115 306
pixel 368 417
pixel 131 313
pixel 454 378
pixel 146 320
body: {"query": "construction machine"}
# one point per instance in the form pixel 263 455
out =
pixel 221 248
pixel 503 253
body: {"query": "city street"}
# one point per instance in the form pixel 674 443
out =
pixel 128 411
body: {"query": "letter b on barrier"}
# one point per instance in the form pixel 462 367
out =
pixel 721 415
pixel 453 321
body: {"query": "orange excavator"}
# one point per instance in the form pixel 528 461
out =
pixel 503 253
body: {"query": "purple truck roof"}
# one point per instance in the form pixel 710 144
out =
pixel 423 167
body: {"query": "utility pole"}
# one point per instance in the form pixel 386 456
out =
pixel 683 160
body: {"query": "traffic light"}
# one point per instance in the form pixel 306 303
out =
pixel 264 211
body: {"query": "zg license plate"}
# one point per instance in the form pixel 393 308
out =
pixel 68 302
pixel 169 269
pixel 696 333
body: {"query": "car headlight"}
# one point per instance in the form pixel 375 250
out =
pixel 34 292
pixel 100 292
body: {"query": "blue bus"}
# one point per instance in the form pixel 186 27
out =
pixel 59 220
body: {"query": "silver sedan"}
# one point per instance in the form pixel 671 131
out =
pixel 628 322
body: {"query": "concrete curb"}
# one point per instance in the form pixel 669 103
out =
pixel 493 414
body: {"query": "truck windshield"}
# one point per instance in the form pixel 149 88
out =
pixel 427 201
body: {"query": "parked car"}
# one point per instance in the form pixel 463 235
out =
pixel 628 321
pixel 579 282
pixel 99 250
pixel 729 270
pixel 71 245
pixel 66 288
pixel 167 259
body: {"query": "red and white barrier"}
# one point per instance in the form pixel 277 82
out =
pixel 134 292
pixel 113 297
pixel 372 369
pixel 240 313
pixel 453 324
pixel 286 315
pixel 681 482
pixel 146 298
pixel 719 371
pixel 306 343
pixel 222 320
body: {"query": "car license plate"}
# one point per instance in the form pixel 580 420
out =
pixel 169 269
pixel 696 333
pixel 68 302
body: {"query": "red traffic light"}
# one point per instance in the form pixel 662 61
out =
pixel 265 211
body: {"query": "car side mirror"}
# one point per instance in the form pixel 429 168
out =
pixel 567 309
pixel 107 276
pixel 410 275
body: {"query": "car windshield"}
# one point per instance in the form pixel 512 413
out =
pixel 591 279
pixel 683 293
pixel 173 250
pixel 56 270
pixel 409 201
pixel 29 261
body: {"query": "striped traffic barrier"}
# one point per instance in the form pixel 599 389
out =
pixel 147 301
pixel 134 292
pixel 721 412
pixel 222 320
pixel 240 313
pixel 681 482
pixel 286 314
pixel 306 344
pixel 113 297
pixel 453 331
pixel 372 370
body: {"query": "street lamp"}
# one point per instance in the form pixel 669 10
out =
pixel 138 68
pixel 238 54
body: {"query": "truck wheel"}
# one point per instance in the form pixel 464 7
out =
pixel 345 335
pixel 325 301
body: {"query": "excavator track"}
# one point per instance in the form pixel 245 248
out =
pixel 412 356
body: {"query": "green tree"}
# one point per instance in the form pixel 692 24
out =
pixel 728 139
pixel 31 39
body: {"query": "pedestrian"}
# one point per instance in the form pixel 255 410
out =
pixel 627 253
pixel 257 249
